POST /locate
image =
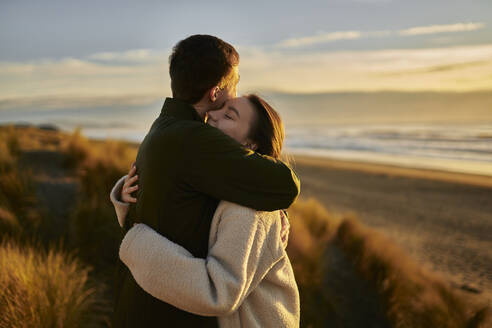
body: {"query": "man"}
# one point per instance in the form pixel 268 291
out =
pixel 185 167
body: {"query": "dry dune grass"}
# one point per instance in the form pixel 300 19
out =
pixel 311 229
pixel 30 138
pixel 17 200
pixel 6 156
pixel 93 228
pixel 413 297
pixel 44 289
pixel 8 221
pixel 40 286
pixel 17 203
pixel 88 154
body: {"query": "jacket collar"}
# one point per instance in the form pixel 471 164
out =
pixel 180 110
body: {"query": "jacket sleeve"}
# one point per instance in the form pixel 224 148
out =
pixel 221 167
pixel 121 208
pixel 215 286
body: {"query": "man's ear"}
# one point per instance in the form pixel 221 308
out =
pixel 214 93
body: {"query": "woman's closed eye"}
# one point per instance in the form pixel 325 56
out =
pixel 228 117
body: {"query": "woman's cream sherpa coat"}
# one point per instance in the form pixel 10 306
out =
pixel 246 279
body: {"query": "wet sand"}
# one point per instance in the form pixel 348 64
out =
pixel 444 220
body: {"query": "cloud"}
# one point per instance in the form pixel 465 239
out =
pixel 83 78
pixel 74 101
pixel 320 38
pixel 463 68
pixel 372 1
pixel 460 66
pixel 75 82
pixel 135 56
pixel 435 29
pixel 355 35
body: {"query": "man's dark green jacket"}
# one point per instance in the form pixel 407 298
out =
pixel 185 167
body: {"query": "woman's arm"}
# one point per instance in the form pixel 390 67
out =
pixel 121 194
pixel 239 257
pixel 121 208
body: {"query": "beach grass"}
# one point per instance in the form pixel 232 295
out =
pixel 46 289
pixel 413 297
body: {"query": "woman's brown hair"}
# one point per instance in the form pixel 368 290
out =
pixel 267 130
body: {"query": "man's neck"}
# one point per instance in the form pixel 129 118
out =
pixel 201 110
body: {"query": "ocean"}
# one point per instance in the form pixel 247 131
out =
pixel 459 148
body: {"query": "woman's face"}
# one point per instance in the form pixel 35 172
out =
pixel 234 119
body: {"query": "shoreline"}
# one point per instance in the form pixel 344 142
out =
pixel 392 170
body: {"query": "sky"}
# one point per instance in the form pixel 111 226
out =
pixel 66 53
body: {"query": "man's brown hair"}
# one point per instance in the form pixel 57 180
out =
pixel 198 63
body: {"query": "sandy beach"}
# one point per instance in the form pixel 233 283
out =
pixel 443 219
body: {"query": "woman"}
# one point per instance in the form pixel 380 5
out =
pixel 246 279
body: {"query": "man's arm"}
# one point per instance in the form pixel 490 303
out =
pixel 219 166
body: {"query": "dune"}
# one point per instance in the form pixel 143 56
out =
pixel 442 219
pixel 350 268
